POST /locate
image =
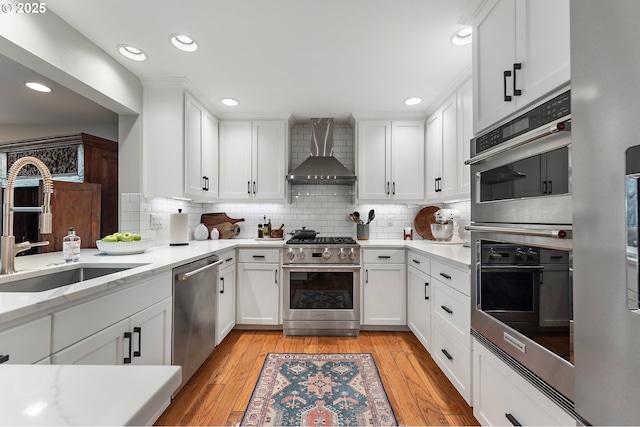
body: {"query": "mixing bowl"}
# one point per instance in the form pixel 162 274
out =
pixel 442 232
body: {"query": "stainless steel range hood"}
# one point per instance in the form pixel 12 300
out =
pixel 321 167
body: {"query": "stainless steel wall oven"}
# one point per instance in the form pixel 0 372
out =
pixel 521 233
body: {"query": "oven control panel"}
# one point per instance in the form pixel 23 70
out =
pixel 301 254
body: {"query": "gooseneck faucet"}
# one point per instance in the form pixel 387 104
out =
pixel 8 241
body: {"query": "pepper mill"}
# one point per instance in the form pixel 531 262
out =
pixel 408 232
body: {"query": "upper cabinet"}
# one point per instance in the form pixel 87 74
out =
pixel 180 145
pixel 520 53
pixel 390 160
pixel 449 131
pixel 253 159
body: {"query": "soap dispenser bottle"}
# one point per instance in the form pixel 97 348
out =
pixel 71 246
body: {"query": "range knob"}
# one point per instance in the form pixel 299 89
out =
pixel 495 255
pixel 353 255
pixel 533 254
pixel 342 255
pixel 520 253
pixel 326 254
pixel 290 255
pixel 300 255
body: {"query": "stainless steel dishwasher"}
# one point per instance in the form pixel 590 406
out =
pixel 194 302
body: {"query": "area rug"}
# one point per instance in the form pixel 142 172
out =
pixel 301 389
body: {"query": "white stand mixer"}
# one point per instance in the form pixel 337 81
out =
pixel 449 216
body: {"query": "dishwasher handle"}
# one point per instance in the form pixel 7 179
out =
pixel 186 276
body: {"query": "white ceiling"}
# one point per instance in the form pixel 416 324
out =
pixel 310 58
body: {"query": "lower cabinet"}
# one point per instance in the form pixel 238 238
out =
pixel 258 287
pixel 502 397
pixel 226 302
pixel 384 295
pixel 419 304
pixel 26 343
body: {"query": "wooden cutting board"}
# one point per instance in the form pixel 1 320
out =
pixel 211 219
pixel 227 230
pixel 424 219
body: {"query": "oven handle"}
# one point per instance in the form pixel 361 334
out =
pixel 556 234
pixel 540 133
pixel 511 267
pixel 320 267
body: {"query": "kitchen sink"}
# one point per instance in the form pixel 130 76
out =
pixel 58 279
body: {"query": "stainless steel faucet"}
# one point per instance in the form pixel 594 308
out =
pixel 8 241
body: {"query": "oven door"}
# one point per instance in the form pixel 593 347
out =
pixel 526 310
pixel 321 300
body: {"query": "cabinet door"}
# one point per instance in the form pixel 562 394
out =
pixel 434 154
pixel 258 294
pixel 494 50
pixel 26 343
pixel 226 304
pixel 542 47
pixel 193 177
pixel 269 159
pixel 419 305
pixel 209 159
pixel 449 170
pixel 384 301
pixel 407 157
pixel 151 334
pixel 107 347
pixel 465 133
pixel 374 154
pixel 235 161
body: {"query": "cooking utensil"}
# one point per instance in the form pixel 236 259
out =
pixel 423 220
pixel 354 219
pixel 277 233
pixel 357 215
pixel 372 215
pixel 442 232
pixel 304 233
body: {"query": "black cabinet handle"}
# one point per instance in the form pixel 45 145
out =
pixel 276 276
pixel 446 353
pixel 507 73
pixel 254 187
pixel 516 66
pixel 416 261
pixel 394 188
pixel 248 187
pixel 258 256
pixel 366 274
pixel 228 259
pixel 544 187
pixel 127 336
pixel 222 289
pixel 4 358
pixel 512 420
pixel 445 275
pixel 426 285
pixel 387 188
pixel 138 330
pixel 550 187
pixel 384 256
pixel 447 309
pixel 205 180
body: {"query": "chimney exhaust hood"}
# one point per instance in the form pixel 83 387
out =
pixel 321 167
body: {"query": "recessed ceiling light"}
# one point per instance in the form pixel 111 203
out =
pixel 38 86
pixel 413 101
pixel 183 42
pixel 131 52
pixel 462 36
pixel 229 101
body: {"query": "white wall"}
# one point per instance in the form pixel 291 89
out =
pixel 18 132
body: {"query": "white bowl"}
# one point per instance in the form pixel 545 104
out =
pixel 442 232
pixel 124 248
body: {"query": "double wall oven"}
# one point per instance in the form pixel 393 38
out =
pixel 321 286
pixel 521 232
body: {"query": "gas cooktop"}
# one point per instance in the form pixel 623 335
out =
pixel 323 241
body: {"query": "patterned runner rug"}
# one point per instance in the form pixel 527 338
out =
pixel 300 389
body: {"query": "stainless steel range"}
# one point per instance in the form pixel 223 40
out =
pixel 321 286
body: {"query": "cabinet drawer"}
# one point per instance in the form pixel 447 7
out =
pixel 387 256
pixel 453 358
pixel 454 309
pixel 26 343
pixel 419 261
pixel 76 323
pixel 458 279
pixel 259 255
pixel 228 258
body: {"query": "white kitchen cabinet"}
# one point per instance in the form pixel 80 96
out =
pixel 390 160
pixel 502 397
pixel 258 287
pixel 180 144
pixel 384 295
pixel 26 343
pixel 419 299
pixel 151 334
pixel 520 53
pixel 107 347
pixel 253 159
pixel 449 131
pixel 226 297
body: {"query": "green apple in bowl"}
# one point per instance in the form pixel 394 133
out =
pixel 118 235
pixel 110 238
pixel 127 237
pixel 137 237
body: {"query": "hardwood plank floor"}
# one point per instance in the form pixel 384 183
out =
pixel 219 392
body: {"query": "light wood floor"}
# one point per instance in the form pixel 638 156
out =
pixel 218 393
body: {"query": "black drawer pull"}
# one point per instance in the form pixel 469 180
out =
pixel 446 353
pixel 426 285
pixel 228 259
pixel 222 289
pixel 516 66
pixel 138 330
pixel 512 420
pixel 4 358
pixel 447 309
pixel 445 275
pixel 416 261
pixel 507 73
pixel 384 256
pixel 127 336
pixel 258 256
